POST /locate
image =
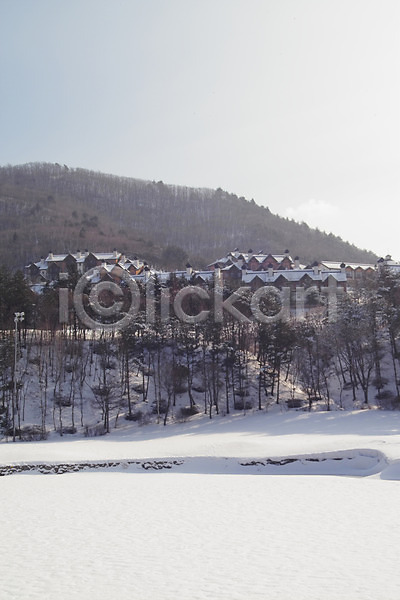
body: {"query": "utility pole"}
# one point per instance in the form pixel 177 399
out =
pixel 18 318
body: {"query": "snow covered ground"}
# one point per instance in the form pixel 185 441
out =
pixel 259 434
pixel 271 505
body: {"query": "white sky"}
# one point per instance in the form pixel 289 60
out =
pixel 294 103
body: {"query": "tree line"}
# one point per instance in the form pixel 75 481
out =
pixel 161 371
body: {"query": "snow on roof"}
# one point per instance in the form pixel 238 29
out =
pixel 292 275
pixel 163 276
pixel 106 255
pixel 335 274
pixel 223 260
pixel 81 256
pixel 247 256
pixel 42 265
pixel 280 257
pixel 107 267
pixel 56 257
pixel 38 287
pixel 205 275
pixel 125 265
pixel 394 267
pixel 258 257
pixel 336 265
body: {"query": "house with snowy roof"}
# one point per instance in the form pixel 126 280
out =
pixel 236 266
pixel 292 277
pixel 389 263
pixel 355 272
pixel 254 261
pixel 59 267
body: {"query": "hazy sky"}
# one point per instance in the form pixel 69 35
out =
pixel 295 103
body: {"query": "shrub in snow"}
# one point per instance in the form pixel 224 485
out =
pixel 294 403
pixel 379 382
pixel 186 412
pixel 242 404
pixel 95 430
pixel 35 360
pixel 241 393
pixel 385 395
pixel 67 430
pixel 146 419
pixel 135 416
pixel 198 388
pixel 29 433
pixel 161 408
pixel 180 389
pixel 64 401
pixel 387 400
pixel 139 389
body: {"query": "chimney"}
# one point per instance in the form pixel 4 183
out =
pixel 286 253
pixel 343 268
pixel 315 267
pixel 380 263
pixel 270 270
pixel 51 255
pixel 189 270
pixel 78 254
pixel 296 262
pixel 115 253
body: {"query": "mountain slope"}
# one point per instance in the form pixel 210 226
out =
pixel 52 207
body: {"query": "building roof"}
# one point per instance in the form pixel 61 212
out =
pixel 56 257
pixel 106 255
pixel 293 275
pixel 260 257
pixel 329 264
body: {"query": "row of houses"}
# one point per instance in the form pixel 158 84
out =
pixel 235 262
pixel 62 267
pixel 236 268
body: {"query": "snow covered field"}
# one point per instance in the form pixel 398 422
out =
pixel 232 518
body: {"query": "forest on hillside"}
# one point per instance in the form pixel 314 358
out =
pixel 47 207
pixel 68 378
